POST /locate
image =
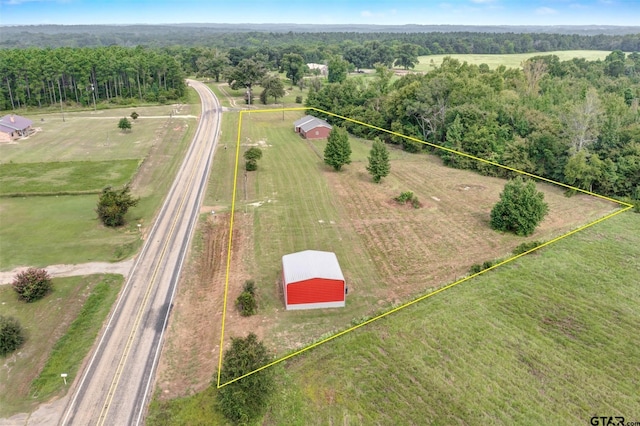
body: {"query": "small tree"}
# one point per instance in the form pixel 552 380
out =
pixel 379 165
pixel 32 284
pixel 246 302
pixel 124 124
pixel 337 153
pixel 252 155
pixel 11 335
pixel 135 115
pixel 245 400
pixel 521 208
pixel 114 204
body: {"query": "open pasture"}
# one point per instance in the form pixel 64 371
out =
pixel 512 60
pixel 389 253
pixel 89 136
pixel 72 176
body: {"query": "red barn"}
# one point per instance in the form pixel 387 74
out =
pixel 311 127
pixel 312 279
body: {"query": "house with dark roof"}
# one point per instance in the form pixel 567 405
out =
pixel 14 126
pixel 311 127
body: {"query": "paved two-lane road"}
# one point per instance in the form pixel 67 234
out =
pixel 114 387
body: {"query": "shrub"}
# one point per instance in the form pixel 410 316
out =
pixel 251 165
pixel 486 265
pixel 415 202
pixel 32 284
pixel 298 99
pixel 114 204
pixel 475 269
pixel 246 304
pixel 11 335
pixel 134 115
pixel 250 287
pixel 404 197
pixel 524 247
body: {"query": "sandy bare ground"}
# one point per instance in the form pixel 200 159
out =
pixel 122 268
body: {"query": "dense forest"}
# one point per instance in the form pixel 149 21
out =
pixel 86 76
pixel 430 39
pixel 575 121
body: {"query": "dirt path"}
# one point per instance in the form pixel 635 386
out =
pixel 123 268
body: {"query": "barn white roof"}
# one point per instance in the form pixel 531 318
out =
pixel 309 122
pixel 308 264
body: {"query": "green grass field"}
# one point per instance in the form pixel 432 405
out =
pixel 73 176
pixel 508 60
pixel 40 231
pixel 549 339
pixel 61 328
pixel 87 152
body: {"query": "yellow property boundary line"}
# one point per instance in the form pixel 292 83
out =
pixel 416 300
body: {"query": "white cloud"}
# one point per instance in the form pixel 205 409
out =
pixel 482 1
pixel 18 2
pixel 545 11
pixel 366 14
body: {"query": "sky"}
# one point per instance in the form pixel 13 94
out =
pixel 382 12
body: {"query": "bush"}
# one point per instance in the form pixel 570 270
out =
pixel 245 400
pixel 520 209
pixel 251 165
pixel 114 204
pixel 475 269
pixel 246 304
pixel 11 335
pixel 250 287
pixel 486 265
pixel 32 284
pixel 298 99
pixel 404 197
pixel 525 247
pixel 415 202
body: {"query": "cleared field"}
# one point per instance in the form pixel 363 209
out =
pixel 389 253
pixel 508 60
pixel 60 331
pixel 549 336
pixel 40 231
pixel 89 136
pixel 73 176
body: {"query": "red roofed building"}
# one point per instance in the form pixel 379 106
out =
pixel 312 279
pixel 311 127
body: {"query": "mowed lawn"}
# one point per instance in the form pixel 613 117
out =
pixel 388 253
pixel 45 321
pixel 41 231
pixel 550 339
pixel 85 153
pixel 508 60
pixel 73 176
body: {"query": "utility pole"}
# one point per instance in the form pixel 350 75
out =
pixel 93 92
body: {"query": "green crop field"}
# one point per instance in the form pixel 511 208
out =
pixel 550 338
pixel 72 176
pixel 508 60
pixel 60 329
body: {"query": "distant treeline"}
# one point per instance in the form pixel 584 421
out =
pixel 576 121
pixel 44 77
pixel 315 37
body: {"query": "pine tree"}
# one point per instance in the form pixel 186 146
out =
pixel 379 165
pixel 338 151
